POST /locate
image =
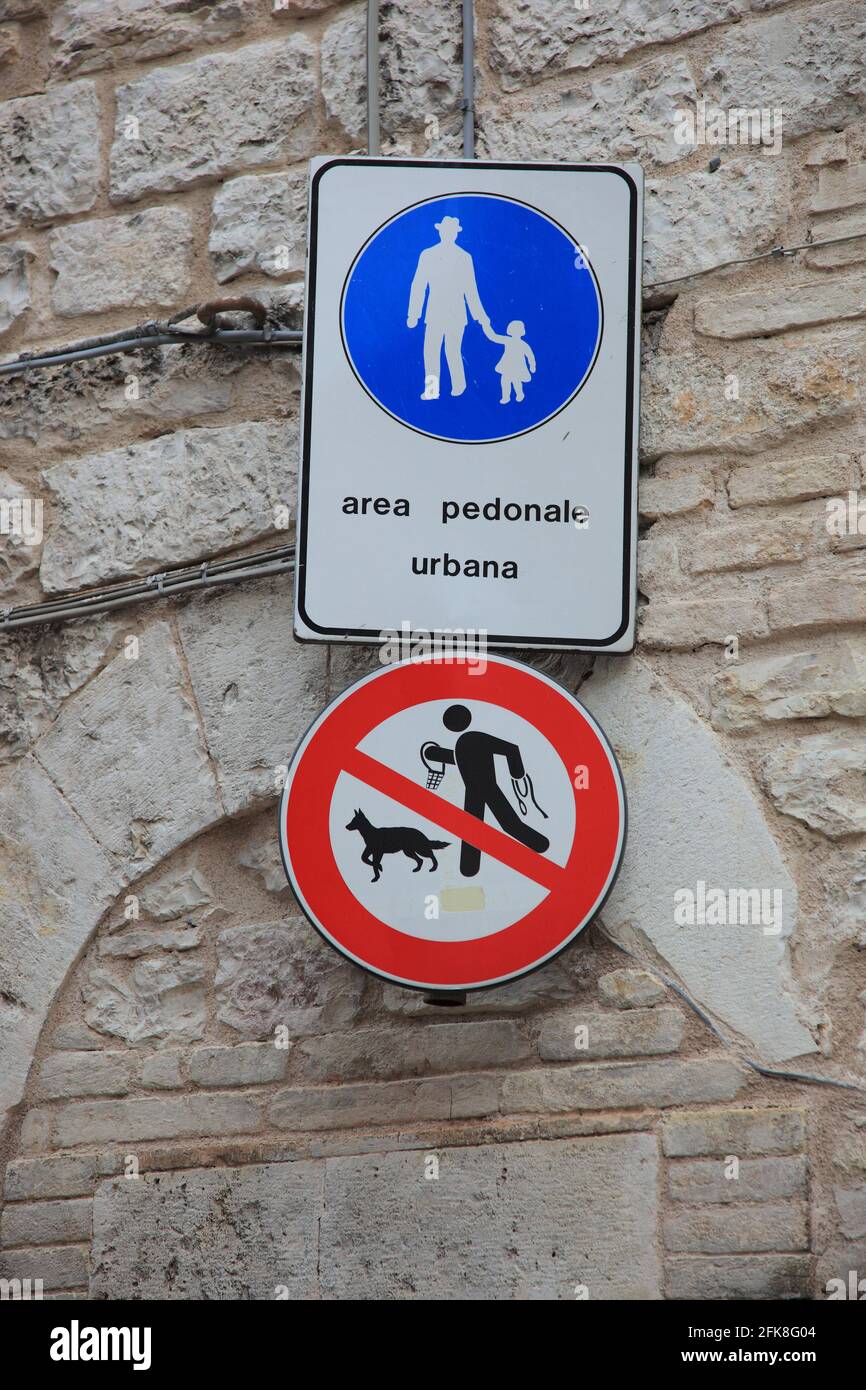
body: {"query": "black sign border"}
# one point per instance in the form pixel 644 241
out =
pixel 374 636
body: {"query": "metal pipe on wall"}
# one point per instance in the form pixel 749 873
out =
pixel 251 337
pixel 468 79
pixel 373 142
pixel 280 560
pixel 468 102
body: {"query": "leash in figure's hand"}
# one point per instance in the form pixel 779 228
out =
pixel 522 793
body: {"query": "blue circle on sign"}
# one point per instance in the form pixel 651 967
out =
pixel 471 318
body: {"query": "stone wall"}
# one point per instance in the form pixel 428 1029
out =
pixel 179 1049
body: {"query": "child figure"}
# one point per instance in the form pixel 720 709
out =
pixel 517 362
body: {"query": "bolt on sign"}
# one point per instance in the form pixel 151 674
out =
pixel 470 402
pixel 451 828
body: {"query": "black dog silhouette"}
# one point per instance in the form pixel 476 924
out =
pixel 396 839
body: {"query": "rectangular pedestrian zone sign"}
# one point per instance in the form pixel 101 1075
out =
pixel 470 402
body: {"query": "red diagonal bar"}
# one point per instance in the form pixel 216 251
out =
pixel 451 818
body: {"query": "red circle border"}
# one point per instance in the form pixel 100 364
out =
pixel 422 964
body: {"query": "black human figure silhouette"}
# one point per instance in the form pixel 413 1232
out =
pixel 474 755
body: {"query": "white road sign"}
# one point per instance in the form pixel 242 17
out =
pixel 470 406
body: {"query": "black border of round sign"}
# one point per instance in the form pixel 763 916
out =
pixel 462 988
pixel 447 438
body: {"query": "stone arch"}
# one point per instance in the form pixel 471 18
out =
pixel 214 704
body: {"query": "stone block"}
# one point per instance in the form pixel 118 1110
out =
pixel 756 398
pixel 128 755
pixel 544 37
pixel 374 1053
pixel 738 1230
pixel 379 1103
pixel 61 1176
pixel 791 480
pixel 58 1266
pixel 767 1277
pixel 681 624
pixel 800 685
pixel 840 188
pixel 635 1033
pixel 179 126
pixel 698 220
pixel 738 1132
pixel 165 502
pixel 714 1180
pixel 739 974
pixel 46 1223
pixel 57 888
pixel 159 1000
pixel 744 546
pixel 244 1064
pixel 243 663
pixel 820 781
pixel 626 115
pixel 506 1214
pixel 823 600
pixel 88 38
pixel 631 989
pixel 49 155
pixel 675 495
pixel 157 1117
pixel 763 313
pixel 805 66
pixel 610 1086
pixel 40 668
pixel 65 1074
pixel 259 225
pixel 141 260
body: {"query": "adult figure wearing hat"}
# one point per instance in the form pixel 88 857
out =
pixel 446 276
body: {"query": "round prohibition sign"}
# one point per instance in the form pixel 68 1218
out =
pixel 513 893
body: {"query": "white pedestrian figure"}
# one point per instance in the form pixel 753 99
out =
pixel 446 276
pixel 517 363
